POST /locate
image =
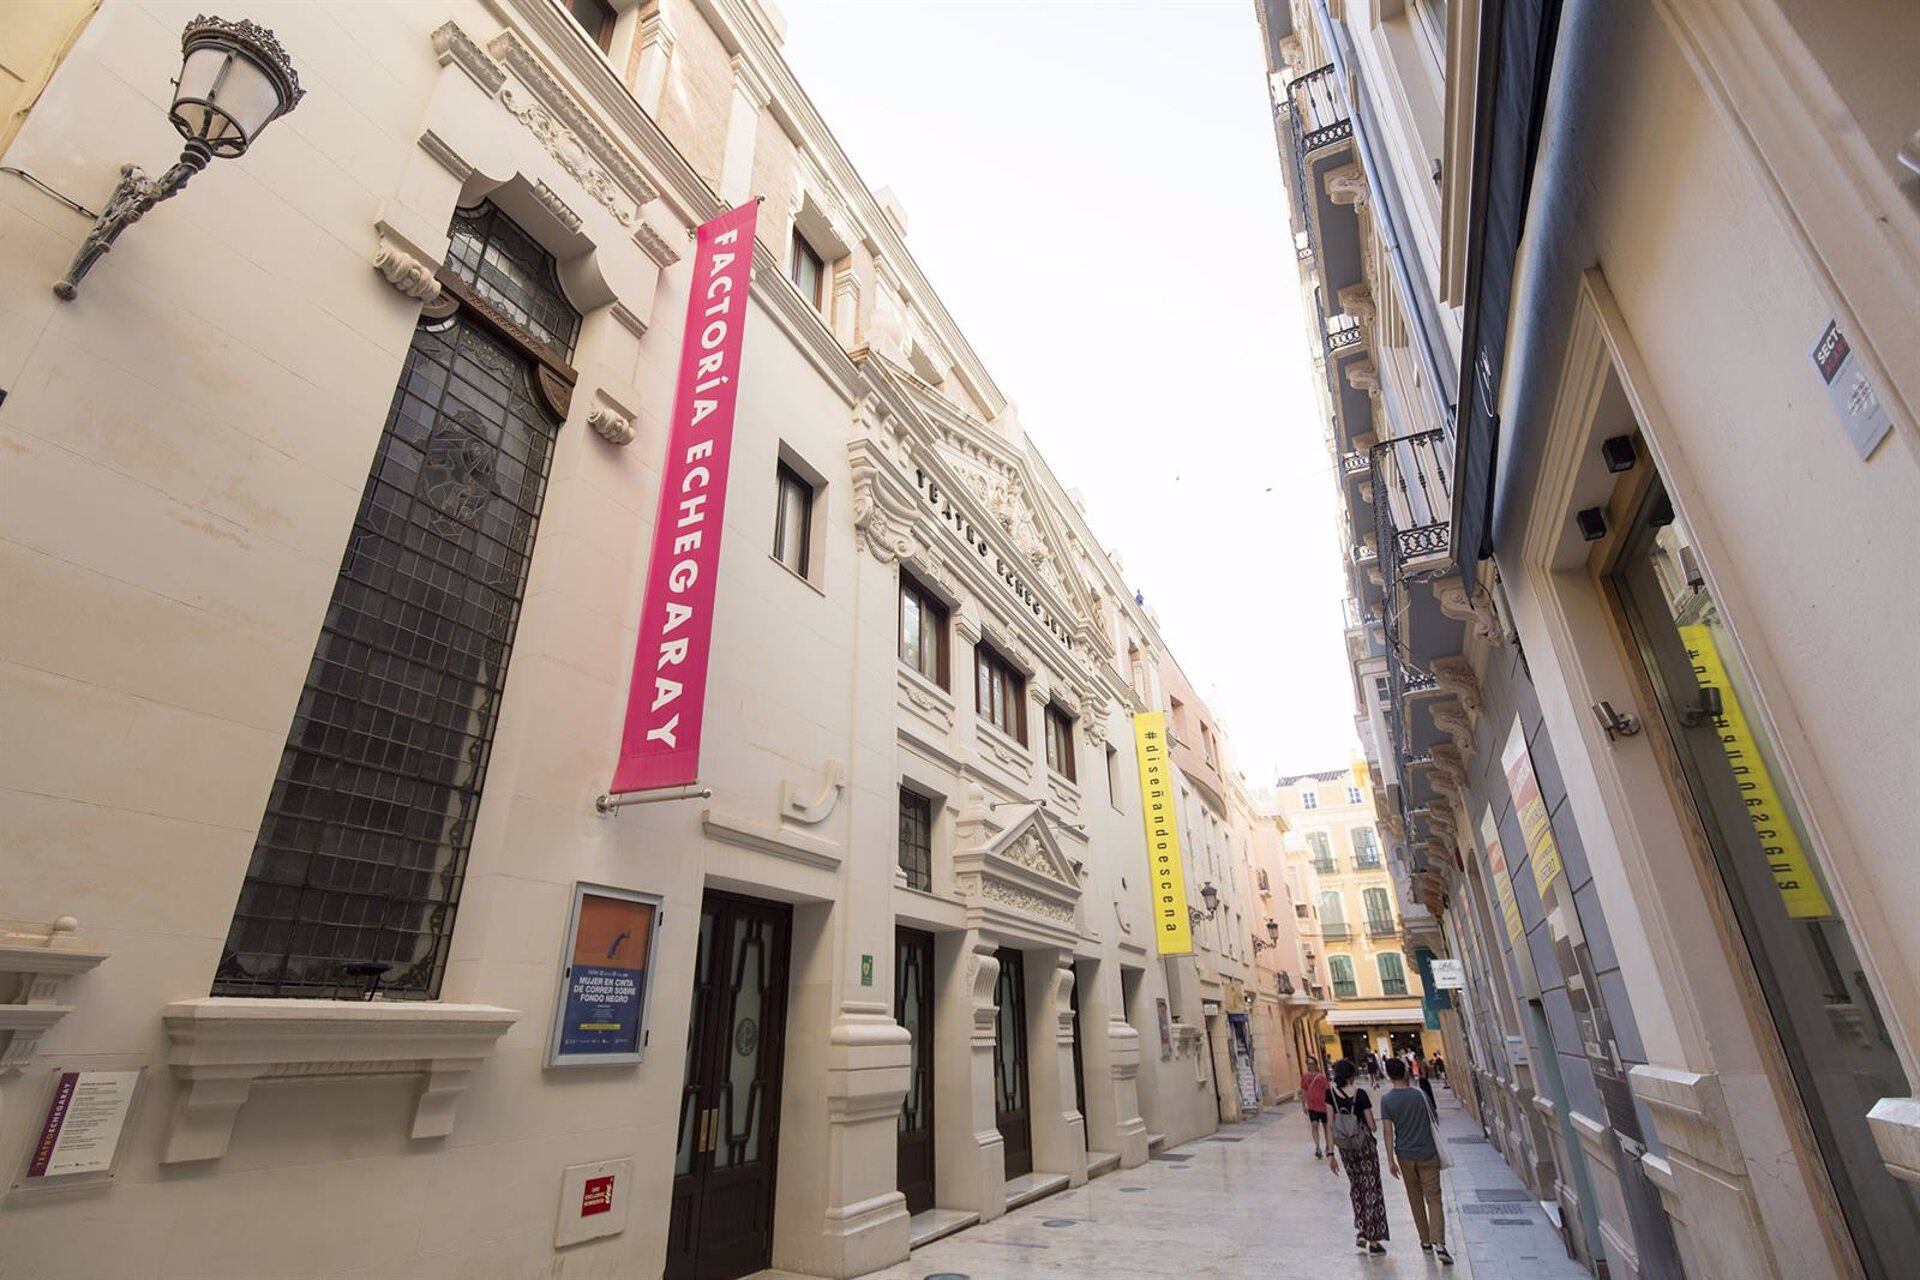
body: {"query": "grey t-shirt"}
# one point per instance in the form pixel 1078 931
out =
pixel 1412 1123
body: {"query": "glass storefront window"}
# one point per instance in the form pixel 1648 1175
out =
pixel 1834 1038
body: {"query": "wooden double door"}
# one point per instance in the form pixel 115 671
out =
pixel 1012 1102
pixel 721 1225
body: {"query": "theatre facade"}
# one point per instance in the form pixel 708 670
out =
pixel 329 503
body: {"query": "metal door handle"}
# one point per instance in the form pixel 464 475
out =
pixel 1706 706
pixel 1615 724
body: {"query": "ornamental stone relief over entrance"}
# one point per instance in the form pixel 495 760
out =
pixel 1016 881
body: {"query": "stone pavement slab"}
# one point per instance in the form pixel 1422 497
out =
pixel 1260 1208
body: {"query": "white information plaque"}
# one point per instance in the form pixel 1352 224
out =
pixel 80 1134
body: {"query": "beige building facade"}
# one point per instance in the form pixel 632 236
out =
pixel 1336 854
pixel 327 507
pixel 1617 311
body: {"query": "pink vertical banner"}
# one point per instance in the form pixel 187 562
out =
pixel 661 743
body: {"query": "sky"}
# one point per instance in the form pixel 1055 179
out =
pixel 1095 192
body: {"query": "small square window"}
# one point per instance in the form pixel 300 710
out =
pixel 1060 742
pixel 793 521
pixel 808 271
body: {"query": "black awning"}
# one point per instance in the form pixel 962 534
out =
pixel 1516 57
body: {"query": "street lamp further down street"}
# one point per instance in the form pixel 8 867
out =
pixel 235 80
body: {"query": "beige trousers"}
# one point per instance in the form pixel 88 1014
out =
pixel 1423 1197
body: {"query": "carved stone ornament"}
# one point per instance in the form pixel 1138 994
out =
pixel 655 246
pixel 1347 185
pixel 453 45
pixel 1022 869
pixel 613 427
pixel 1356 300
pixel 1476 609
pixel 1363 376
pixel 884 510
pixel 559 208
pixel 568 151
pixel 1451 719
pixel 1456 678
pixel 813 809
pixel 405 272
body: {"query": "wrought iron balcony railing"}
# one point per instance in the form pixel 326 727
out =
pixel 1366 861
pixel 1381 928
pixel 1335 929
pixel 1354 464
pixel 1413 494
pixel 1342 331
pixel 1320 115
pixel 1323 865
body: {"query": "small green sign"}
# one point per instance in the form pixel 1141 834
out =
pixel 866 971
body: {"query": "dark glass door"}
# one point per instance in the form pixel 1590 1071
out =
pixel 1079 1071
pixel 721 1225
pixel 913 1009
pixel 1831 1031
pixel 1012 1110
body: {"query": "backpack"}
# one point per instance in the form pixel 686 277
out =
pixel 1348 1132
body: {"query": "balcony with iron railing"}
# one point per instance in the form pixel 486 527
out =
pixel 1343 331
pixel 1334 930
pixel 1380 927
pixel 1413 510
pixel 1323 865
pixel 1319 107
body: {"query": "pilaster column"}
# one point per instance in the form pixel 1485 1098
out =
pixel 750 98
pixel 970 1170
pixel 656 42
pixel 1059 1141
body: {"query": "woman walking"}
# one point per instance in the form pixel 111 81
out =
pixel 1352 1114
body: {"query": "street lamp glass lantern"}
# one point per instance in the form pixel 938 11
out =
pixel 1273 931
pixel 234 82
pixel 1210 896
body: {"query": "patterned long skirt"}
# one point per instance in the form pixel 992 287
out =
pixel 1363 1183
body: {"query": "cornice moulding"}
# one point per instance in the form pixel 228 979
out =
pixel 218 1047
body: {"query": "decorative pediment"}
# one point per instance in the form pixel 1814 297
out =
pixel 1020 881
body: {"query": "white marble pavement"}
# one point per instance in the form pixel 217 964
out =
pixel 1252 1202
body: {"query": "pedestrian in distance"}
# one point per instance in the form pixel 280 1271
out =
pixel 1313 1097
pixel 1421 1077
pixel 1352 1116
pixel 1413 1156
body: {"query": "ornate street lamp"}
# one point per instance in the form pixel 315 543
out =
pixel 235 80
pixel 1273 932
pixel 1210 896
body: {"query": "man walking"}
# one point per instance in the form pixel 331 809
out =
pixel 1413 1156
pixel 1313 1096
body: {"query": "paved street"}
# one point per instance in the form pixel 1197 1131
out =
pixel 1251 1202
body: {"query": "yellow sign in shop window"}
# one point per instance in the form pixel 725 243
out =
pixel 1779 841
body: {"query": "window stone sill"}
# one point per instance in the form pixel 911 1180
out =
pixel 218 1047
pixel 1896 1131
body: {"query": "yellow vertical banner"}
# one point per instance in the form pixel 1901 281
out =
pixel 1166 874
pixel 1779 839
